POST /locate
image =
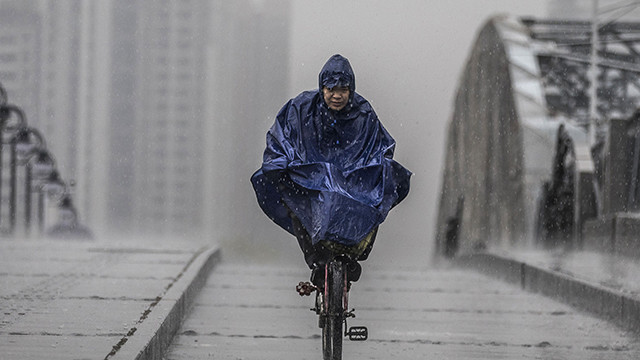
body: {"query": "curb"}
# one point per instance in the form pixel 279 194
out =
pixel 611 305
pixel 155 331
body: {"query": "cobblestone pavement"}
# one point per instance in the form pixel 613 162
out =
pixel 253 312
pixel 84 300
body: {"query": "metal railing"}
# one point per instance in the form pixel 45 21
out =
pixel 32 174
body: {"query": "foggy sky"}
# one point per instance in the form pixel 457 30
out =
pixel 407 56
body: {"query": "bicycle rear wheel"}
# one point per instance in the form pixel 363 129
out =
pixel 333 311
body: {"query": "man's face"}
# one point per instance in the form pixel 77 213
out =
pixel 336 97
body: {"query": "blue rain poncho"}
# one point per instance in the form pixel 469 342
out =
pixel 334 170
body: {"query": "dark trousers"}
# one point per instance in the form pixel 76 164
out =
pixel 319 253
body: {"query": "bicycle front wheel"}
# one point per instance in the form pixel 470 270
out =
pixel 333 311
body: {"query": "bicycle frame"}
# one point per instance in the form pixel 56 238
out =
pixel 332 304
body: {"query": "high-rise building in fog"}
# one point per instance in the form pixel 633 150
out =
pixel 57 114
pixel 20 52
pixel 157 82
pixel 250 70
pixel 139 145
pixel 173 85
pixel 39 49
pixel 117 87
pixel 145 104
pixel 19 70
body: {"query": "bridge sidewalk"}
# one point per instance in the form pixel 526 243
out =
pixel 605 285
pixel 92 300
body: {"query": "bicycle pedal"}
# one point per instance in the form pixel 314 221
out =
pixel 305 288
pixel 358 333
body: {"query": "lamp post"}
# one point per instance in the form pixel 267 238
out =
pixel 24 144
pixel 27 148
pixel 68 226
pixel 52 187
pixel 39 165
pixel 6 112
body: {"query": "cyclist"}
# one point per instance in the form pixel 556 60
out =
pixel 328 175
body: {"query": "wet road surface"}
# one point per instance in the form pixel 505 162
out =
pixel 253 312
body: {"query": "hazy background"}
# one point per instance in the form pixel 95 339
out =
pixel 407 56
pixel 157 111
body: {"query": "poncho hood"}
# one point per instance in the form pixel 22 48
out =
pixel 337 71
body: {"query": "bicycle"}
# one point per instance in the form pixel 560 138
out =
pixel 331 306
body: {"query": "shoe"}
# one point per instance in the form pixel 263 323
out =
pixel 317 275
pixel 354 270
